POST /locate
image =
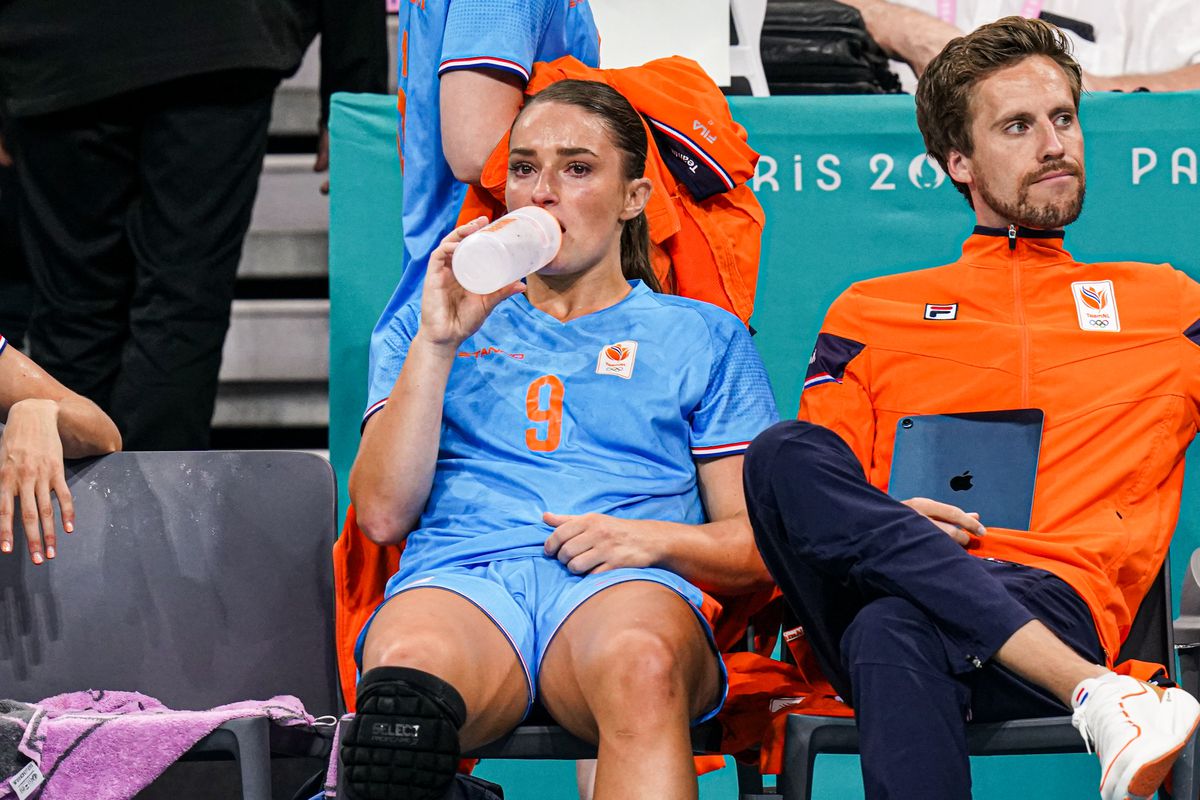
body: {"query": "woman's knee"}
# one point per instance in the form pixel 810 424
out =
pixel 435 631
pixel 425 650
pixel 645 668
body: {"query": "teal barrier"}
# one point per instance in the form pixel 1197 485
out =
pixel 848 195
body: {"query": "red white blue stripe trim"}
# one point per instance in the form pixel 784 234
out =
pixel 720 449
pixel 3 344
pixel 690 145
pixel 378 404
pixel 485 62
pixel 819 378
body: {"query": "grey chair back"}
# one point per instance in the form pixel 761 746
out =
pixel 198 578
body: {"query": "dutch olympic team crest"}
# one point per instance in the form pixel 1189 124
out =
pixel 1096 306
pixel 1096 299
pixel 617 359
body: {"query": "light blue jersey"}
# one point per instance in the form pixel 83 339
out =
pixel 606 414
pixel 438 36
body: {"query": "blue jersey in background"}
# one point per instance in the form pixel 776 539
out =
pixel 437 36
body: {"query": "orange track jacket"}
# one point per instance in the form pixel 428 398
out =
pixel 705 221
pixel 1110 352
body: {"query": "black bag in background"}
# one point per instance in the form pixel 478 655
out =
pixel 822 47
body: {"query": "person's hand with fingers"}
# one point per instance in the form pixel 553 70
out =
pixel 588 543
pixel 959 525
pixel 31 470
pixel 449 313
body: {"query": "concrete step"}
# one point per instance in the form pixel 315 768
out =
pixel 277 341
pixel 289 226
pixel 296 108
pixel 393 36
pixel 272 405
pixel 278 254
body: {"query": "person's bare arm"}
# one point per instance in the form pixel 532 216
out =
pixel 84 429
pixel 905 33
pixel 477 107
pixel 393 471
pixel 1176 80
pixel 719 555
pixel 44 422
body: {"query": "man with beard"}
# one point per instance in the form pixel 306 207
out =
pixel 920 615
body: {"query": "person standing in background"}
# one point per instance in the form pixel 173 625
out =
pixel 463 66
pixel 16 289
pixel 138 131
pixel 1122 45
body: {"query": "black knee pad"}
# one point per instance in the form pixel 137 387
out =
pixel 403 741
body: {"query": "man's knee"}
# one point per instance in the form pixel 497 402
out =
pixel 892 631
pixel 792 448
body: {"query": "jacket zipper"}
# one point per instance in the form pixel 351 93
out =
pixel 1019 313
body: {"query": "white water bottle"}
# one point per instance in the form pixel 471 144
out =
pixel 519 243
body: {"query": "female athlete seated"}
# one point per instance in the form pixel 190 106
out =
pixel 550 454
pixel 43 422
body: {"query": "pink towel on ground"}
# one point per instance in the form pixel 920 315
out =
pixel 110 745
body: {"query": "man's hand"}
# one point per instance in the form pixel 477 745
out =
pixel 6 159
pixel 955 522
pixel 589 543
pixel 31 467
pixel 322 162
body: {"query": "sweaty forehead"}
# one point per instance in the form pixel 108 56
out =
pixel 1033 86
pixel 554 126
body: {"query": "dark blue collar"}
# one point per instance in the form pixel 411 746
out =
pixel 1022 232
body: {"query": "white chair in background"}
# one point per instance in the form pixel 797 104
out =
pixel 744 57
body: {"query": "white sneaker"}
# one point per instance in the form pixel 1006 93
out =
pixel 1137 730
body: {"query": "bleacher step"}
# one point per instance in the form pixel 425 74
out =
pixel 297 103
pixel 289 226
pixel 272 405
pixel 277 341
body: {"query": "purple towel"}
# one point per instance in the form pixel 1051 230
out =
pixel 331 771
pixel 111 745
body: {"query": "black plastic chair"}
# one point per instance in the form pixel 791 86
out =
pixel 1151 638
pixel 197 578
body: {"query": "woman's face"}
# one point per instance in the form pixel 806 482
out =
pixel 562 158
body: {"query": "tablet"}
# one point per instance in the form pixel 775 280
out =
pixel 984 461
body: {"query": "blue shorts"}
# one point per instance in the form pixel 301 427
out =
pixel 530 598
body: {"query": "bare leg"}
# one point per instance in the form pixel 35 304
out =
pixel 438 632
pixel 630 669
pixel 1040 657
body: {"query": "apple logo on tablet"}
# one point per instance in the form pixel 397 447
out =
pixel 961 483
